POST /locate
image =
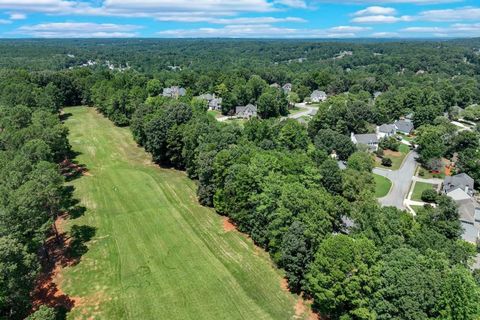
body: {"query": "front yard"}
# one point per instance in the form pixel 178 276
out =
pixel 419 188
pixel 396 156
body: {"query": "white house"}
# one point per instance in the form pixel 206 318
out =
pixel 318 96
pixel 368 139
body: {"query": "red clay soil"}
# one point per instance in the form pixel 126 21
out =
pixel 47 290
pixel 303 306
pixel 228 225
pixel 69 169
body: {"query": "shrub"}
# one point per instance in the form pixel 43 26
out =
pixel 429 195
pixel 387 162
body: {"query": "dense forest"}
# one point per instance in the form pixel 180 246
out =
pixel 273 177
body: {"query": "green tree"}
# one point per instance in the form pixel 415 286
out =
pixel 342 277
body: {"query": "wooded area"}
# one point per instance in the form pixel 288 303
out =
pixel 273 177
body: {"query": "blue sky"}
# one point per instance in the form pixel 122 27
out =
pixel 239 18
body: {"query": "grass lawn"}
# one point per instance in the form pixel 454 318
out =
pixel 156 253
pixel 295 110
pixel 382 186
pixel 214 113
pixel 419 188
pixel 416 208
pixel 426 174
pixel 397 157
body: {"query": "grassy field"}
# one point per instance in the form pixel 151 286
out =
pixel 397 157
pixel 156 253
pixel 419 188
pixel 382 186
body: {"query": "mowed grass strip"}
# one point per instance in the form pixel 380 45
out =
pixel 382 186
pixel 158 254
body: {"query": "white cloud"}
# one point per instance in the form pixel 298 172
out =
pixel 458 14
pixel 292 3
pixel 17 16
pixel 375 10
pixel 5 21
pixel 262 31
pixel 348 29
pixel 246 20
pixel 79 30
pixel 454 30
pixel 384 34
pixel 380 19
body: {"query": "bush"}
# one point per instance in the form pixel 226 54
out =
pixel 43 313
pixel 379 152
pixel 387 162
pixel 389 143
pixel 429 195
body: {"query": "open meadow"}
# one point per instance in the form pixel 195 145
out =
pixel 156 253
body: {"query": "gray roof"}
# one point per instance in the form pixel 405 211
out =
pixel 405 126
pixel 387 128
pixel 468 210
pixel 318 93
pixel 462 181
pixel 241 110
pixel 470 232
pixel 207 96
pixel 366 138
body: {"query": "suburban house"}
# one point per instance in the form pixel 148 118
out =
pixel 460 188
pixel 173 92
pixel 287 87
pixel 214 103
pixel 318 96
pixel 246 112
pixel 368 139
pixel 386 130
pixel 404 126
pixel 461 184
pixel 399 126
pixel 275 85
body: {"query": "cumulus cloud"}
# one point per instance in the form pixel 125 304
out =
pixel 457 14
pixel 375 10
pixel 17 16
pixel 380 19
pixel 79 30
pixel 262 31
pixel 384 35
pixel 454 30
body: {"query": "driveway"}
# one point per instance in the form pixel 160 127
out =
pixel 307 109
pixel 400 179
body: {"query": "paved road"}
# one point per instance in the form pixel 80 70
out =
pixel 401 180
pixel 306 112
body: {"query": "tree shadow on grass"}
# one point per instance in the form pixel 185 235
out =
pixel 79 237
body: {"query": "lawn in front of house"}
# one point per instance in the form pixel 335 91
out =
pixel 396 156
pixel 382 186
pixel 419 187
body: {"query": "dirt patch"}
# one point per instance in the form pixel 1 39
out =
pixel 70 169
pixel 228 225
pixel 47 290
pixel 390 153
pixel 60 251
pixel 284 284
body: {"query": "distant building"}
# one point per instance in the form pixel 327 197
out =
pixel 173 92
pixel 287 87
pixel 214 103
pixel 377 94
pixel 369 139
pixel 459 182
pixel 275 85
pixel 318 96
pixel 460 189
pixel 404 126
pixel 246 112
pixel 386 130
